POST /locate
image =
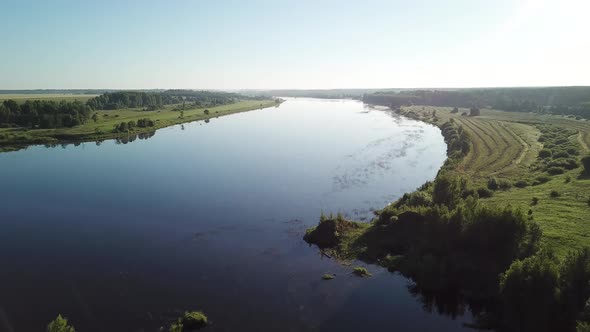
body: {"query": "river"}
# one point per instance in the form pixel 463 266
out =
pixel 124 235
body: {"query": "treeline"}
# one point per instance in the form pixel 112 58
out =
pixel 43 114
pixel 155 100
pixel 129 99
pixel 555 100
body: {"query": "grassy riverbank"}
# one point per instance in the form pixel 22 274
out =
pixel 18 138
pixel 505 145
pixel 503 229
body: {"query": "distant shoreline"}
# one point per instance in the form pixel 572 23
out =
pixel 14 139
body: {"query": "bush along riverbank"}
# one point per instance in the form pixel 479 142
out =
pixel 463 253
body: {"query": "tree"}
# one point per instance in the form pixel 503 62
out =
pixel 530 293
pixel 95 117
pixel 182 114
pixel 206 112
pixel 446 191
pixel 60 324
pixel 474 111
pixel 122 127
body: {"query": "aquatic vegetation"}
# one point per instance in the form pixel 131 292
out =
pixel 361 272
pixel 328 276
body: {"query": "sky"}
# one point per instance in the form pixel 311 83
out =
pixel 303 44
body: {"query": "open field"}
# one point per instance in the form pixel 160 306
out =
pixel 17 138
pixel 21 98
pixel 506 145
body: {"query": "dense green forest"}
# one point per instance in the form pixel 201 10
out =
pixel 155 100
pixel 556 100
pixel 43 114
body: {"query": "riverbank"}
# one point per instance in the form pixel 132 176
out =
pixel 12 139
pixel 505 146
pixel 510 201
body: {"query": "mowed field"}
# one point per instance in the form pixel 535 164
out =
pixel 21 98
pixel 506 145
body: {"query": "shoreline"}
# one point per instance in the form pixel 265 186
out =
pixel 467 235
pixel 24 138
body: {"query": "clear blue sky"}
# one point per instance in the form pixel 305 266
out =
pixel 293 44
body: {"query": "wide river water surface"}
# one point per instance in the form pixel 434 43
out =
pixel 127 235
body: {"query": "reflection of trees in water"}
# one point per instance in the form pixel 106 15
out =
pixel 119 140
pixel 132 137
pixel 451 301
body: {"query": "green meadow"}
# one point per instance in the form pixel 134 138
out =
pixel 102 128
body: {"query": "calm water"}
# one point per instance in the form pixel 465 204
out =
pixel 124 237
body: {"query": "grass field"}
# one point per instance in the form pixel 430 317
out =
pixel 21 98
pixel 506 145
pixel 17 138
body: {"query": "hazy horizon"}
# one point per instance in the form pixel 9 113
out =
pixel 265 45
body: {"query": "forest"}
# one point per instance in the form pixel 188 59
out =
pixel 574 101
pixel 43 114
pixel 156 100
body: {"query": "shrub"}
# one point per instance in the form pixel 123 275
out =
pixel 561 141
pixel 555 170
pixel 329 231
pixel 446 191
pixel 493 184
pixel 361 272
pixel 568 179
pixel 142 123
pixel 504 184
pixel 554 194
pixel 60 324
pixel 417 198
pixel 543 179
pixel 521 184
pixel 484 192
pixel 535 201
pixel 560 154
pixel 545 153
pixel 568 163
pixel 586 163
pixel 193 320
pixel 122 127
